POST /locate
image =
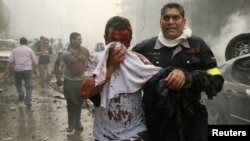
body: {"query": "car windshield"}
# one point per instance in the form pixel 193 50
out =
pixel 7 45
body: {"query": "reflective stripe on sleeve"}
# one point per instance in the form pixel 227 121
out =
pixel 214 71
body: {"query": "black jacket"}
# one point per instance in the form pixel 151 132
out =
pixel 164 108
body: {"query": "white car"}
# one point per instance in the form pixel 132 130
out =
pixel 6 46
pixel 239 45
pixel 232 104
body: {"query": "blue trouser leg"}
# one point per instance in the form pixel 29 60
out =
pixel 72 93
pixel 18 83
pixel 28 85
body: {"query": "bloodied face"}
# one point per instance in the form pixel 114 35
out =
pixel 123 36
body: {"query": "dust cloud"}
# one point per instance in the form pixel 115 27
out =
pixel 237 24
pixel 217 22
pixel 58 18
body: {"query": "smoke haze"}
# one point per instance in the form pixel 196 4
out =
pixel 58 18
pixel 236 25
pixel 215 21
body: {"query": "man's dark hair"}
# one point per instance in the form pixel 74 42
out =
pixel 173 5
pixel 73 35
pixel 23 41
pixel 117 23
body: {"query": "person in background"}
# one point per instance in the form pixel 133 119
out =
pixel 59 44
pixel 45 53
pixel 119 115
pixel 72 60
pixel 25 64
pixel 55 51
pixel 40 42
pixel 176 46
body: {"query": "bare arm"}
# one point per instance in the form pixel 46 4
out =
pixel 34 67
pixel 88 84
pixel 7 69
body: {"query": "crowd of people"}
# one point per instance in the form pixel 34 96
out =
pixel 149 93
pixel 25 58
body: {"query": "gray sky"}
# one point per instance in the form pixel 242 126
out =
pixel 58 18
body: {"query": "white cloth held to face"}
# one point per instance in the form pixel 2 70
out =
pixel 131 76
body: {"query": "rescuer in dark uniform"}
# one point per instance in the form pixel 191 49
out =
pixel 184 117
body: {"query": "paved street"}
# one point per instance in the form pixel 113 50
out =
pixel 46 120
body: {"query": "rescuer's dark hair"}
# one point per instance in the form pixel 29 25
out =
pixel 173 5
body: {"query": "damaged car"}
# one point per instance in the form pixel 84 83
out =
pixel 237 46
pixel 231 105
